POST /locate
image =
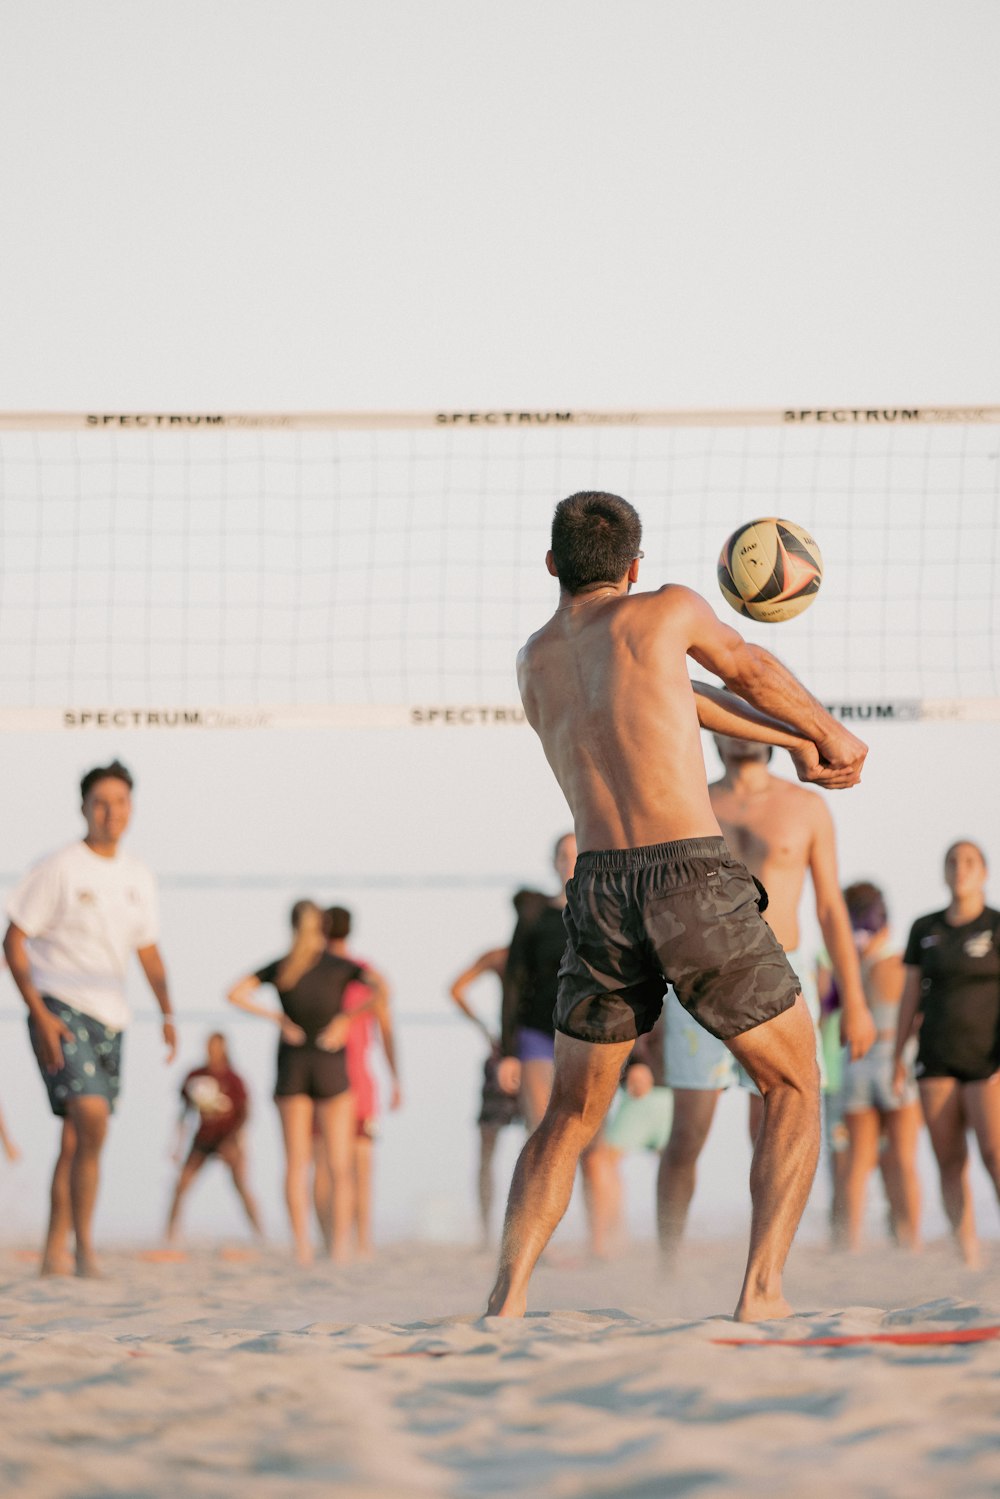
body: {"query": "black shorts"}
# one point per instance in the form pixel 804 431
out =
pixel 310 1071
pixel 684 913
pixel 497 1109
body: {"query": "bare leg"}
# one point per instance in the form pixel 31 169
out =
pixel 337 1125
pixel 188 1172
pixel 488 1136
pixel 585 1080
pixel 296 1125
pixel 363 1153
pixel 942 1103
pixel 322 1191
pixel 603 1192
pixel 780 1056
pixel 56 1257
pixel 694 1110
pixel 899 1172
pixel 864 1128
pixel 982 1106
pixel 90 1116
pixel 231 1151
pixel 536 1085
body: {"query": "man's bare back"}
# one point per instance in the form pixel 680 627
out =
pixel 605 685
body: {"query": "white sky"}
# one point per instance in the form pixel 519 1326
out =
pixel 354 205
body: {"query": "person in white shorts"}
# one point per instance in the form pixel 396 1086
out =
pixel 75 919
pixel 781 831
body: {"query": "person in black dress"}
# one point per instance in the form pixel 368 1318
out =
pixel 953 984
pixel 312 1066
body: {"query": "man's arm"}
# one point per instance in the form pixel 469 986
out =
pixel 857 1028
pixel 51 1030
pixel 754 674
pixel 156 977
pixel 722 712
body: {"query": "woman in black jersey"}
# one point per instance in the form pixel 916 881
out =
pixel 953 984
pixel 312 1067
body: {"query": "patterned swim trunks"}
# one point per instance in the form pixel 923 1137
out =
pixel 91 1059
pixel 685 913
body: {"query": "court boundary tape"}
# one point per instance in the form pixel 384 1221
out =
pixel 856 1340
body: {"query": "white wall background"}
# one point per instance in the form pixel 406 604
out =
pixel 345 205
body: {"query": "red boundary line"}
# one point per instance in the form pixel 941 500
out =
pixel 902 1339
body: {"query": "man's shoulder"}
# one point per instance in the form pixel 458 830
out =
pixel 806 801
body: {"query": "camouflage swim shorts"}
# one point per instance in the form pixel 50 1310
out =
pixel 684 913
pixel 92 1058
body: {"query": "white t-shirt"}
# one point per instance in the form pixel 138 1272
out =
pixel 83 916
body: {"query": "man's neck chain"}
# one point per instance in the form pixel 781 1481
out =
pixel 598 593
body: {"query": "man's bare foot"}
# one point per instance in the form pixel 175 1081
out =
pixel 504 1303
pixel 761 1308
pixel 88 1268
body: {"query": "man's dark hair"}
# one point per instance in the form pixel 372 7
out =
pixel 595 537
pixel 336 923
pixel 115 772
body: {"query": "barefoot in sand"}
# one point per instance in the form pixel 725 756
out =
pixel 761 1308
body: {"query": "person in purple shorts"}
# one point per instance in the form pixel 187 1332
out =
pixel 527 1032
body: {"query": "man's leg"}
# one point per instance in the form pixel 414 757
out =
pixel 56 1257
pixel 694 1110
pixel 188 1172
pixel 586 1077
pixel 780 1056
pixel 90 1116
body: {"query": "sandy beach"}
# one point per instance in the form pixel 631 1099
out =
pixel 230 1372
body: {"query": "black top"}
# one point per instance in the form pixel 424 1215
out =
pixel 532 972
pixel 959 994
pixel 319 994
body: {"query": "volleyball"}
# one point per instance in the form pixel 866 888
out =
pixel 770 569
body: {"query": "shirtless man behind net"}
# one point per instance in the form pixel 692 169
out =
pixel 782 833
pixel 657 894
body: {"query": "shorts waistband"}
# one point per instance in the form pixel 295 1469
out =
pixel 624 859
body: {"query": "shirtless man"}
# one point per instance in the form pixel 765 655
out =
pixel 656 894
pixel 781 832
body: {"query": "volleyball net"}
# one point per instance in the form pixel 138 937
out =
pixel 252 570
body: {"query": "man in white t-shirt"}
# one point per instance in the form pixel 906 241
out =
pixel 75 919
